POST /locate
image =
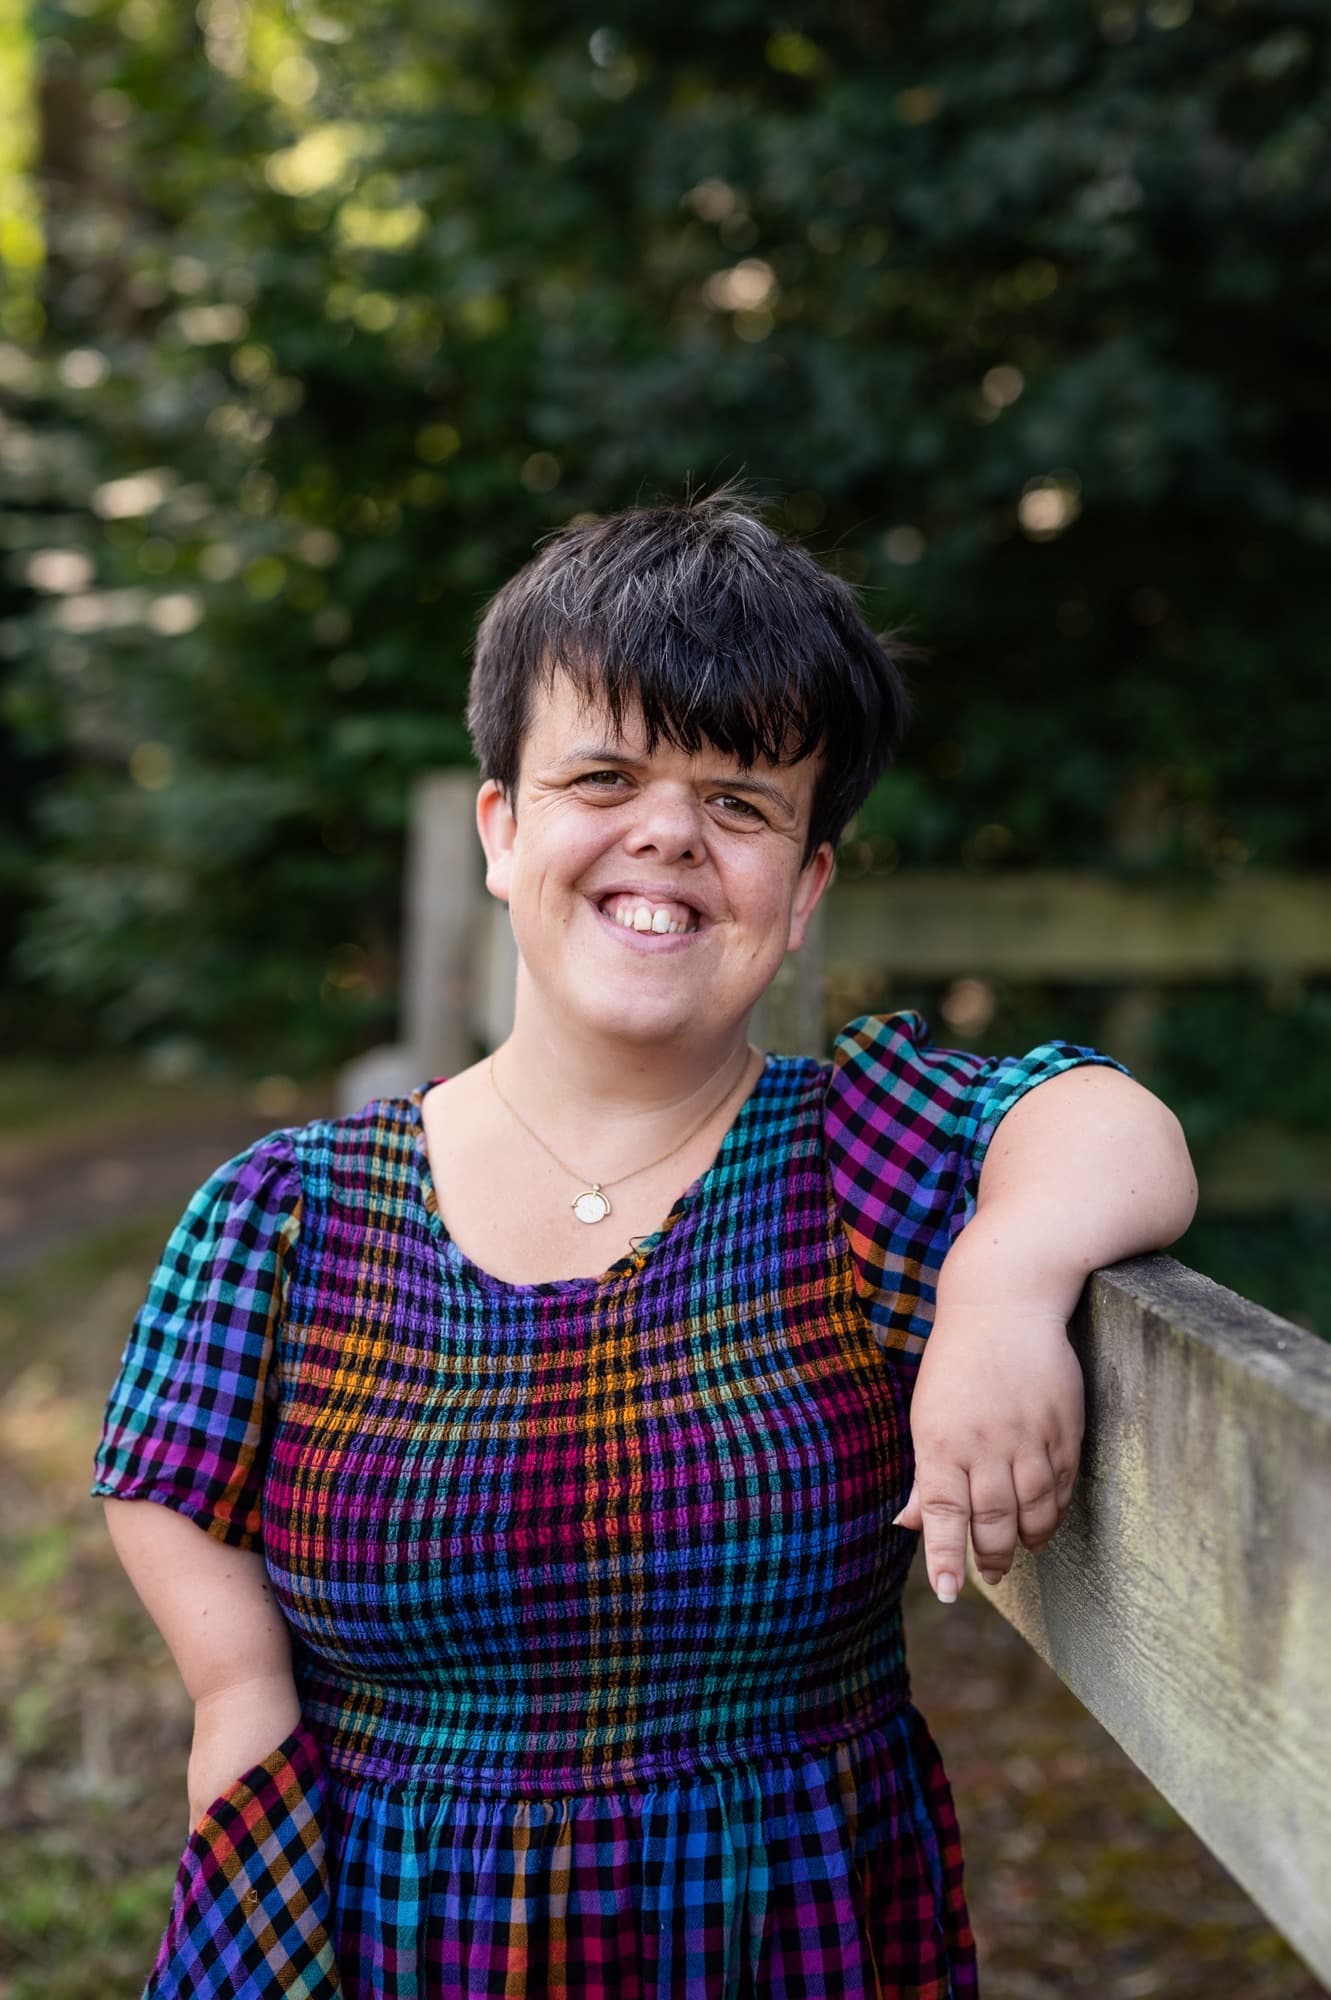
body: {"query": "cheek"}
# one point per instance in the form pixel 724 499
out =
pixel 550 867
pixel 557 849
pixel 767 898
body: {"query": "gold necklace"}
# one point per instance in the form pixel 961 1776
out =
pixel 592 1204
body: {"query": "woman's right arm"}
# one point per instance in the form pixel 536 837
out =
pixel 214 1607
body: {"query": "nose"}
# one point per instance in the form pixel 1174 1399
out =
pixel 667 824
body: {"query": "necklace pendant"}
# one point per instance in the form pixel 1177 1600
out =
pixel 591 1205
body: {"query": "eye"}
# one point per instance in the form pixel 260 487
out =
pixel 744 808
pixel 603 781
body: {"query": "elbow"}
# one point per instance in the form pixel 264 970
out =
pixel 1178 1190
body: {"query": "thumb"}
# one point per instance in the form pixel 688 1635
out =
pixel 912 1514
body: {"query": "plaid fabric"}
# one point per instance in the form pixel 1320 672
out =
pixel 908 1126
pixel 594 1595
pixel 250 1911
pixel 188 1415
pixel 835 1875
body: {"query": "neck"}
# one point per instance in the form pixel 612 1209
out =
pixel 583 1082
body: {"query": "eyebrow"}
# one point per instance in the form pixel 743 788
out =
pixel 603 753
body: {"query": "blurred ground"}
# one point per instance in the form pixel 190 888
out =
pixel 85 1153
pixel 1083 1884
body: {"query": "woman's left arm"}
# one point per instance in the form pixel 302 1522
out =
pixel 1084 1170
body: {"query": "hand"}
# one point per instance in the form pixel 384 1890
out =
pixel 997 1419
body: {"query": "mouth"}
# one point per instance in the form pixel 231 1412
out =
pixel 656 916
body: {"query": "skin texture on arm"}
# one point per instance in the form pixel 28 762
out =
pixel 1086 1169
pixel 1083 1171
pixel 214 1607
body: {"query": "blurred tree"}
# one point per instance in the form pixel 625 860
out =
pixel 1020 310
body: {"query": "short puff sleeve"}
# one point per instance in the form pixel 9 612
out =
pixel 189 1413
pixel 907 1127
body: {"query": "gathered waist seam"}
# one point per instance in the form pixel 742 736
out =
pixel 715 1760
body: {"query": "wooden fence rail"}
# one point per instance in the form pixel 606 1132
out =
pixel 458 959
pixel 1051 925
pixel 1184 1599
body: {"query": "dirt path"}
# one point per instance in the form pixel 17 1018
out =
pixel 54 1193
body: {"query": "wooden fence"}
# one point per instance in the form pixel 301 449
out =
pixel 1185 1599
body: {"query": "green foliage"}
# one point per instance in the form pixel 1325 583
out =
pixel 1019 311
pixel 1282 1260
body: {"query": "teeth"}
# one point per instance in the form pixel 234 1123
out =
pixel 632 916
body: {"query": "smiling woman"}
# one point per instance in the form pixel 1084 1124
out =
pixel 562 1432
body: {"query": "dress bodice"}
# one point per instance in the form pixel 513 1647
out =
pixel 587 1533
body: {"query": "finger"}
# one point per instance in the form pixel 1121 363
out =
pixel 910 1515
pixel 946 1510
pixel 1065 1478
pixel 993 1518
pixel 1038 1511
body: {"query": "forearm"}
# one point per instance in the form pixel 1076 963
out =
pixel 1006 1262
pixel 234 1727
pixel 215 1609
pixel 1083 1171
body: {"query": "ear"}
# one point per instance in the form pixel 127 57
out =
pixel 814 878
pixel 498 829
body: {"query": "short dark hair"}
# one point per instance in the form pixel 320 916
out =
pixel 721 629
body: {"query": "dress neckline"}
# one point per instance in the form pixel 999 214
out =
pixel 633 1261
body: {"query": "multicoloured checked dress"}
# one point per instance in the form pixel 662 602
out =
pixel 594 1595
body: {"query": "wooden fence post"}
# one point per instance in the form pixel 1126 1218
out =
pixel 790 1019
pixel 444 906
pixel 445 894
pixel 495 984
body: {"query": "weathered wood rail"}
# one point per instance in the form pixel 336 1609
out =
pixel 1186 1599
pixel 1057 924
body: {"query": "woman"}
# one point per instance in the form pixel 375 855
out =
pixel 546 1427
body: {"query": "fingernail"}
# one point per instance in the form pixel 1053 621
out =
pixel 992 1575
pixel 896 1519
pixel 947 1588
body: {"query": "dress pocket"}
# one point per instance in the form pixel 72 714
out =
pixel 251 1911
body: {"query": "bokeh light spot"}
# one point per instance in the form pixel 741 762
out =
pixel 903 545
pixel 151 766
pixel 1048 506
pixel 541 472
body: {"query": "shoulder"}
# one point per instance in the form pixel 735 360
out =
pixel 267 1186
pixel 345 1156
pixel 887 1065
pixel 267 1169
pixel 888 1086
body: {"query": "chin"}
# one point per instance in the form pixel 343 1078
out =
pixel 647 1030
pixel 634 1020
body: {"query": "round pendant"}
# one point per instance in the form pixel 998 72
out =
pixel 591 1205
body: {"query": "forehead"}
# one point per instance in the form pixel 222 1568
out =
pixel 567 721
pixel 560 713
